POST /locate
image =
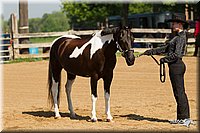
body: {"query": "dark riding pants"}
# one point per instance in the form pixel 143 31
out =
pixel 197 45
pixel 176 73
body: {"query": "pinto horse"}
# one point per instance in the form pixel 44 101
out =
pixel 93 57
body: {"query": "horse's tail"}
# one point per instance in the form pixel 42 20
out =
pixel 54 73
pixel 50 97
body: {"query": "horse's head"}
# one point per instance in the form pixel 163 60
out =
pixel 124 39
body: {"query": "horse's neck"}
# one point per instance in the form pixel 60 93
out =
pixel 110 48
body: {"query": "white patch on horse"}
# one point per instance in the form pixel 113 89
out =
pixel 54 90
pixel 97 42
pixel 107 103
pixel 67 36
pixel 94 99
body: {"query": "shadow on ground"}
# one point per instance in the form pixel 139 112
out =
pixel 141 118
pixel 48 114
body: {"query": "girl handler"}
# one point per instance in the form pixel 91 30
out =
pixel 175 50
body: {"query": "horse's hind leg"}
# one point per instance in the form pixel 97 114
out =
pixel 54 90
pixel 54 84
pixel 68 87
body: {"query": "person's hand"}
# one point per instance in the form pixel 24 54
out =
pixel 148 52
pixel 162 60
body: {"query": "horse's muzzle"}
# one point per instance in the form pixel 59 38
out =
pixel 130 58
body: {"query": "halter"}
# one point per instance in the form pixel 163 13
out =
pixel 120 49
pixel 123 51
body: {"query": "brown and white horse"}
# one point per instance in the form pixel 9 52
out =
pixel 93 57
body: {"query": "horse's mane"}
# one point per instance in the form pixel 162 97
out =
pixel 107 31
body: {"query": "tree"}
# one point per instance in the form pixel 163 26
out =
pixel 4 25
pixel 56 21
pixel 140 8
pixel 125 14
pixel 35 25
pixel 88 14
pixel 173 7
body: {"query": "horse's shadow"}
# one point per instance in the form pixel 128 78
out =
pixel 49 114
pixel 141 118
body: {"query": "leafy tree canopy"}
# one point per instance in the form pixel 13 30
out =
pixel 57 21
pixel 84 14
pixel 88 14
pixel 34 25
pixel 140 8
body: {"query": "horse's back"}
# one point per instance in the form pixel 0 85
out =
pixel 74 55
pixel 61 50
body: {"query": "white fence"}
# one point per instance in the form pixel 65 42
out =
pixel 5 49
pixel 14 49
pixel 88 32
pixel 16 46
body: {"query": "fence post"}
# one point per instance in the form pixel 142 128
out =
pixel 186 11
pixel 14 32
pixel 23 24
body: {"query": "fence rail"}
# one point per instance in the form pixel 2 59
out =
pixel 17 46
pixel 87 32
pixel 5 48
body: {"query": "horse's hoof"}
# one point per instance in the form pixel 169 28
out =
pixel 73 116
pixel 93 120
pixel 109 120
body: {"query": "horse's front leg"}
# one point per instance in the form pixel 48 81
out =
pixel 93 81
pixel 107 82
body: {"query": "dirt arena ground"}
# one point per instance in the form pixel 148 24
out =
pixel 139 101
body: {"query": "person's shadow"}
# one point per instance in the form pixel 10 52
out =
pixel 141 118
pixel 48 114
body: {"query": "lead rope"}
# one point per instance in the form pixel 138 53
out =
pixel 162 72
pixel 162 68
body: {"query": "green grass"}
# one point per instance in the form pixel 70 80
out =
pixel 118 54
pixel 18 60
pixel 42 40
